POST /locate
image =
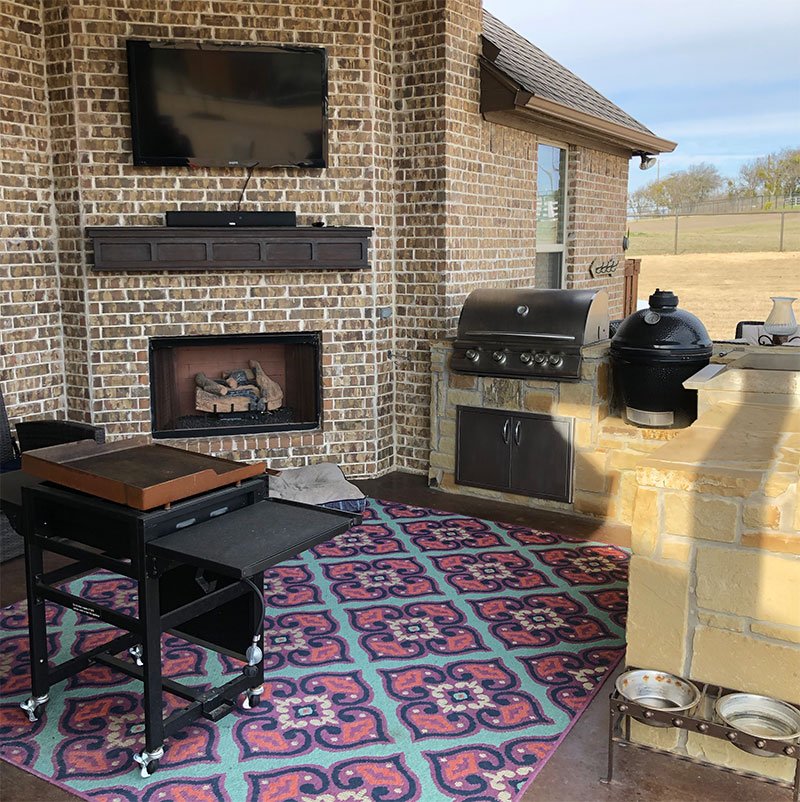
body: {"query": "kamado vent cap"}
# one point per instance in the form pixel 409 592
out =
pixel 663 299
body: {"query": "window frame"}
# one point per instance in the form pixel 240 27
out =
pixel 556 247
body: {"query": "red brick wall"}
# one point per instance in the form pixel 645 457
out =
pixel 109 319
pixel 30 340
pixel 450 197
pixel 598 187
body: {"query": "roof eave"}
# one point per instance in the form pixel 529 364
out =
pixel 613 132
pixel 503 99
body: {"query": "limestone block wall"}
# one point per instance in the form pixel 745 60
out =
pixel 715 576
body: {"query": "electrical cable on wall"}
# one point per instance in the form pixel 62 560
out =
pixel 250 167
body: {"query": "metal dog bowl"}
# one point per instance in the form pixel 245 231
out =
pixel 658 690
pixel 761 717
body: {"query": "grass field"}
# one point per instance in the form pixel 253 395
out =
pixel 729 233
pixel 723 288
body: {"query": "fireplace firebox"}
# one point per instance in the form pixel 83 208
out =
pixel 235 384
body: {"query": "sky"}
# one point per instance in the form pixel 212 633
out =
pixel 720 78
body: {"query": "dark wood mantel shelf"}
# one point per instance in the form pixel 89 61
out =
pixel 153 248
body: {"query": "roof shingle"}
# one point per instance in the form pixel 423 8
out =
pixel 544 77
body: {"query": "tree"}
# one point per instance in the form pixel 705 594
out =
pixel 776 174
pixel 680 191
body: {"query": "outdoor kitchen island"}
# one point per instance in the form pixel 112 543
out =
pixel 715 574
pixel 604 450
pixel 713 510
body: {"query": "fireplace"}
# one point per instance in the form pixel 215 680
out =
pixel 235 384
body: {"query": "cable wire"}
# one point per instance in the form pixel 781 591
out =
pixel 250 167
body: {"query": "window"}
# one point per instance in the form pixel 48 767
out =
pixel 551 214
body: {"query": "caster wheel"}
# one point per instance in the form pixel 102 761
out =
pixel 148 761
pixel 34 708
pixel 253 697
pixel 136 653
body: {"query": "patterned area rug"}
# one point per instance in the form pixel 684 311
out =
pixel 420 656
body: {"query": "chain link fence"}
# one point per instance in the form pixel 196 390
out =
pixel 741 232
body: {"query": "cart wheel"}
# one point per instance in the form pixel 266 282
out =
pixel 136 653
pixel 149 761
pixel 253 698
pixel 34 707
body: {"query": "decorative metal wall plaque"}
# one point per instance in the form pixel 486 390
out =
pixel 607 268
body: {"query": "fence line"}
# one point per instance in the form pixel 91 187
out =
pixel 739 204
pixel 728 233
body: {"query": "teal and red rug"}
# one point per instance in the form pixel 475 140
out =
pixel 420 656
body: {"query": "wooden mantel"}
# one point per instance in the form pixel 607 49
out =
pixel 153 248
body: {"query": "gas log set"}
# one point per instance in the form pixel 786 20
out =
pixel 240 390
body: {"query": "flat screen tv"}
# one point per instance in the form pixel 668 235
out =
pixel 212 105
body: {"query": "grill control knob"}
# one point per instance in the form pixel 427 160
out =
pixel 499 357
pixel 472 355
pixel 525 357
pixel 540 358
pixel 556 360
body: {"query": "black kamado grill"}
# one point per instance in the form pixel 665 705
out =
pixel 652 353
pixel 528 333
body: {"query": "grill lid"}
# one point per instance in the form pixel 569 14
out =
pixel 562 317
pixel 662 332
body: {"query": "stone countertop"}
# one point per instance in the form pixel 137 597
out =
pixel 731 450
pixel 747 436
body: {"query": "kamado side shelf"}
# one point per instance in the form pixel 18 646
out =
pixel 198 560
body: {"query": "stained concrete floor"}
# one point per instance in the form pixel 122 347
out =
pixel 573 773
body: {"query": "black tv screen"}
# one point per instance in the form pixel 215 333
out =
pixel 227 105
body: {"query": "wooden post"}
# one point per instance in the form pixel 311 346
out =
pixel 631 291
pixel 676 234
pixel 783 220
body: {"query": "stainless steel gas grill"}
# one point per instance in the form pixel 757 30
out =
pixel 524 333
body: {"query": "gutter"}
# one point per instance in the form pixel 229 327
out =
pixel 506 101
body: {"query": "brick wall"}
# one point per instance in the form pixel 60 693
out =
pixel 31 345
pixel 598 190
pixel 420 195
pixel 110 318
pixel 450 198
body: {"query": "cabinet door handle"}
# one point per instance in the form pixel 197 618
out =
pixel 505 430
pixel 517 427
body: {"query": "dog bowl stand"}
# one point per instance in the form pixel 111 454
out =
pixel 702 721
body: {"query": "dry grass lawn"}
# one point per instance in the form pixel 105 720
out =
pixel 723 288
pixel 718 233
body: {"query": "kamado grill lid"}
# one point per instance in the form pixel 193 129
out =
pixel 662 331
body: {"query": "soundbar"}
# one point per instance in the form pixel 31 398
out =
pixel 226 219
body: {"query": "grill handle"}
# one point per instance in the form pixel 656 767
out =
pixel 517 433
pixel 505 430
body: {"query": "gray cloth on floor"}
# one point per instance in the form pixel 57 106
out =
pixel 314 484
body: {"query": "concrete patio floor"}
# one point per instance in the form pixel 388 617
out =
pixel 573 773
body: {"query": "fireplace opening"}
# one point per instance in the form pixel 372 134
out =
pixel 235 384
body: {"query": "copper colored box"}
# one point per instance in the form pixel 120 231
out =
pixel 134 472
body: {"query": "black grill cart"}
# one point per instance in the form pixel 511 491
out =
pixel 198 565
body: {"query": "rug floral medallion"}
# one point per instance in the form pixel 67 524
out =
pixel 420 656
